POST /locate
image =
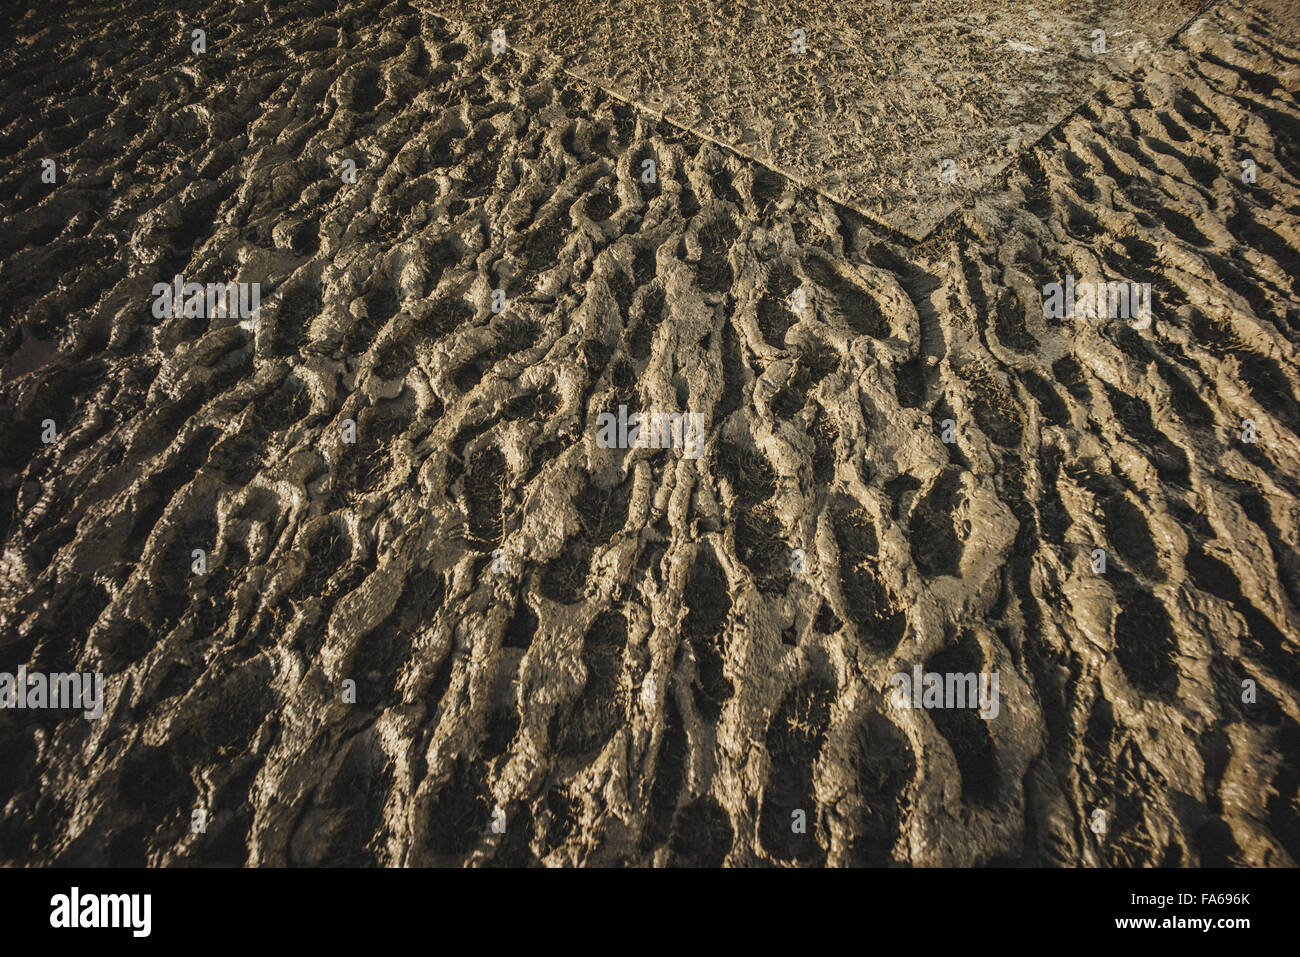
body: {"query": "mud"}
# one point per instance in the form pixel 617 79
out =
pixel 609 653
pixel 898 110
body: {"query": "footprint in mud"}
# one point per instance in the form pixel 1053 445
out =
pixel 766 188
pixel 1284 796
pixel 936 546
pixel 702 835
pixel 80 601
pixel 1185 399
pixel 623 290
pixel 648 191
pixel 1117 777
pixel 439 257
pixel 381 305
pixel 1070 374
pixel 535 406
pixel 1215 578
pixel 564 811
pixel 760 545
pixel 161 488
pixel 721 185
pixel 622 374
pixel 645 266
pixel 171 580
pixel 367 463
pixel 479 177
pixel 516 848
pixel 446 316
pixel 502 726
pixel 713 272
pixel 442 151
pixel 824 435
pixel 1127 341
pixel 1051 406
pixel 669 775
pixel 826 622
pixel 453 52
pixel 522 627
pixel 361 784
pixel 789 826
pixel 997 413
pixel 1287 557
pixel 327 550
pixel 791 397
pixel 304 240
pixel 459 814
pixel 484 480
pixel 965 731
pixel 1053 518
pixel 880 625
pixel 389 645
pixel 1130 536
pixel 541 250
pixel 1217 334
pixel 1145 646
pixel 123 644
pixel 1009 324
pixel 842 300
pixel 602 707
pixel 601 513
pixel 366 92
pixel 707 606
pixel 819 358
pixel 1135 416
pixel 758 534
pixel 152 779
pixel 748 473
pixel 774 314
pixel 595 358
pixel 601 204
pixel 1079 223
pixel 1269 386
pixel 883 765
pixel 564 579
pixel 285 406
pixel 196 226
pixel 288 327
pixel 688 205
pixel 1255 234
pixel 396 359
pixel 733 380
pixel 513 337
pixel 910 384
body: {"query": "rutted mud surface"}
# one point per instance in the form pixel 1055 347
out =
pixel 638 674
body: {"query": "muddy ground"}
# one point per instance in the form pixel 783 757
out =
pixel 612 647
pixel 862 100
